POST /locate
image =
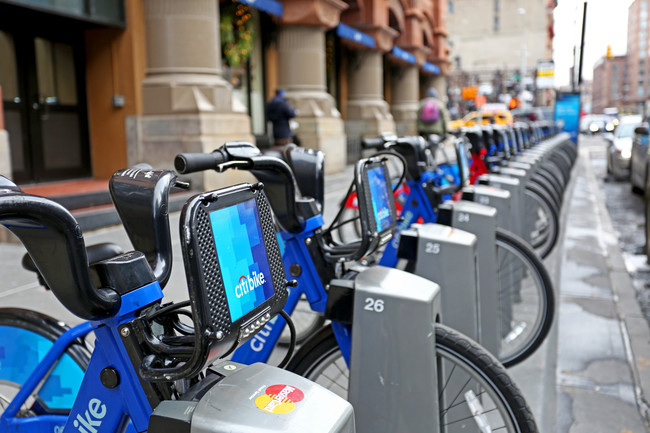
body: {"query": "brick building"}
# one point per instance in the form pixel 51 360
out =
pixel 610 84
pixel 91 87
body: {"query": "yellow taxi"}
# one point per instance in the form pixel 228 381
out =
pixel 483 117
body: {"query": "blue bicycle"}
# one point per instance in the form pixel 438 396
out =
pixel 153 367
pixel 327 273
pixel 522 275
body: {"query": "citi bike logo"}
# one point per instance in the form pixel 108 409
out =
pixel 249 283
pixel 91 420
pixel 382 214
pixel 279 399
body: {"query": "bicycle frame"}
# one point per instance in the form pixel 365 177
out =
pixel 417 207
pixel 97 407
pixel 295 251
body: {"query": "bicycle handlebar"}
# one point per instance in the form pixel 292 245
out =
pixel 186 163
pixel 278 178
pixel 373 143
pixel 53 238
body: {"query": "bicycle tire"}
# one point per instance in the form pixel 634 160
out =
pixel 554 171
pixel 306 321
pixel 552 179
pixel 28 335
pixel 543 222
pixel 532 315
pixel 562 162
pixel 552 194
pixel 456 354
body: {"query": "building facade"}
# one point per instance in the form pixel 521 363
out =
pixel 493 41
pixel 92 87
pixel 638 53
pixel 610 88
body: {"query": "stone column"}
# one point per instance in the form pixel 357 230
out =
pixel 301 63
pixel 301 72
pixel 368 114
pixel 404 88
pixel 5 154
pixel 186 105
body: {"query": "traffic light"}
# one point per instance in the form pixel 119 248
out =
pixel 514 103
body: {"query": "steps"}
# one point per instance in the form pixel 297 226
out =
pixel 90 202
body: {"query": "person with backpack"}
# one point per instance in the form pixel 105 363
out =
pixel 433 116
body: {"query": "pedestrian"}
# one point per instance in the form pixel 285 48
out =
pixel 279 112
pixel 433 116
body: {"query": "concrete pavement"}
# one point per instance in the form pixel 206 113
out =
pixel 591 375
pixel 602 342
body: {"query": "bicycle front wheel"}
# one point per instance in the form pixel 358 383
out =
pixel 25 338
pixel 541 221
pixel 476 394
pixel 526 299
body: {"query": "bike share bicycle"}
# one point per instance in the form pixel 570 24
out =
pixel 509 311
pixel 154 367
pixel 383 350
pixel 534 167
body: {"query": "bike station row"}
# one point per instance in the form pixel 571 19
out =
pixel 168 359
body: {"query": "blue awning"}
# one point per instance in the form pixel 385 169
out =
pixel 431 68
pixel 403 55
pixel 273 7
pixel 355 35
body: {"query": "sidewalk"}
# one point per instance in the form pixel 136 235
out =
pixel 603 338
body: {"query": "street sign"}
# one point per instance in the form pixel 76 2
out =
pixel 545 74
pixel 567 111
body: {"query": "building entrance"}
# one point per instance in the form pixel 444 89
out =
pixel 43 97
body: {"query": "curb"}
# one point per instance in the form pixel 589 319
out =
pixel 633 324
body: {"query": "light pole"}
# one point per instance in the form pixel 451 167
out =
pixel 522 12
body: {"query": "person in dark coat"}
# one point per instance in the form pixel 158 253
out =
pixel 279 112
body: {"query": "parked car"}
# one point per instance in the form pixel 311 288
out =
pixel 639 158
pixel 619 146
pixel 597 123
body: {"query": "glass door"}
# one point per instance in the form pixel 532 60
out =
pixel 44 113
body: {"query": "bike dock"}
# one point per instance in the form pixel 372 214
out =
pixel 591 374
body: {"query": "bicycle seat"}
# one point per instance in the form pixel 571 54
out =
pixel 414 150
pixel 308 166
pixel 95 253
pixel 54 240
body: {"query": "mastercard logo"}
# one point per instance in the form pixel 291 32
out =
pixel 279 399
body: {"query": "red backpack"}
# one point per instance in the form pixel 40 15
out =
pixel 430 112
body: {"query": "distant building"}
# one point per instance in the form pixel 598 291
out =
pixel 89 87
pixel 638 52
pixel 610 88
pixel 487 37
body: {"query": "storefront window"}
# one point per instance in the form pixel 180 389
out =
pixel 332 57
pixel 8 71
pixel 243 61
pixel 56 73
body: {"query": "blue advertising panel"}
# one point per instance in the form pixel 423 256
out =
pixel 567 110
pixel 381 196
pixel 242 257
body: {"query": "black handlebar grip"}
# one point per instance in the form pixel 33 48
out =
pixel 450 189
pixel 186 163
pixel 373 143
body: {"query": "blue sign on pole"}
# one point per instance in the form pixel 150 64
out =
pixel 567 111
